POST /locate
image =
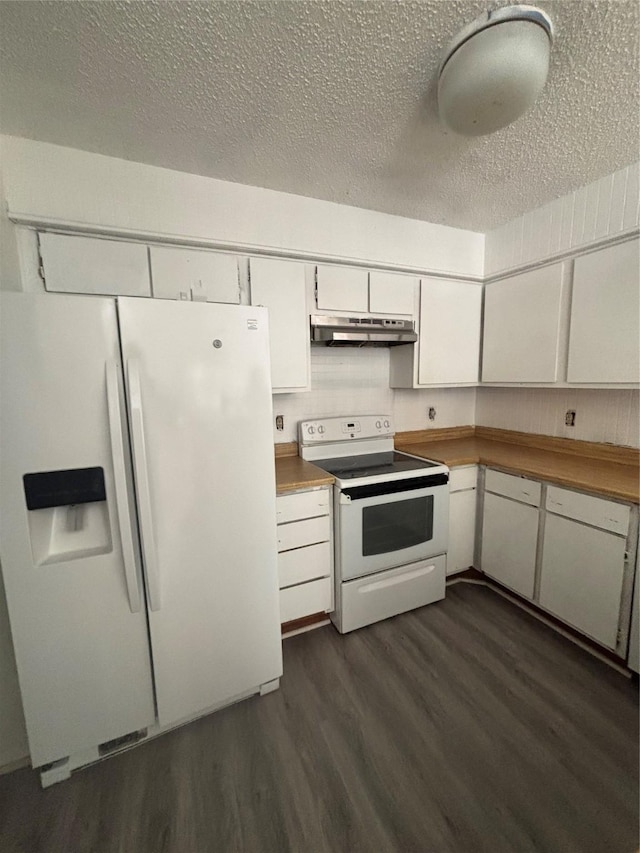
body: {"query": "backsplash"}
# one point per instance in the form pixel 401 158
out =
pixel 347 381
pixel 611 416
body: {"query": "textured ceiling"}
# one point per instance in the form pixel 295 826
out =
pixel 334 100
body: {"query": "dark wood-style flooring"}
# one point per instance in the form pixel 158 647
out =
pixel 466 726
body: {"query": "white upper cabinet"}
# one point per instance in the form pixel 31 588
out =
pixel 363 292
pixel 90 265
pixel 281 287
pixel 194 274
pixel 522 325
pixel 448 348
pixel 390 293
pixel 605 313
pixel 343 289
pixel 449 345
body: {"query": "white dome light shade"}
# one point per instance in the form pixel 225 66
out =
pixel 494 70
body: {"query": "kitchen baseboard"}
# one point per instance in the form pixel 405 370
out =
pixel 18 764
pixel 306 623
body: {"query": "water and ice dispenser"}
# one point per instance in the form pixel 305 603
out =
pixel 68 514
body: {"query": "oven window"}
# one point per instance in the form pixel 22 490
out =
pixel 393 526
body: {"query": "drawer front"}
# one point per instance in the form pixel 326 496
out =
pixel 305 599
pixel 302 505
pixel 598 512
pixel 381 596
pixel 297 534
pixel 463 478
pixel 525 491
pixel 304 564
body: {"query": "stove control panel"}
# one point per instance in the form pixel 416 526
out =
pixel 344 429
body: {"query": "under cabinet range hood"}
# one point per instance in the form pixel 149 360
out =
pixel 362 331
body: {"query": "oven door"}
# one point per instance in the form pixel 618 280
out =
pixel 385 525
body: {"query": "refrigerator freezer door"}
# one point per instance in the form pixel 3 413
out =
pixel 200 409
pixel 82 654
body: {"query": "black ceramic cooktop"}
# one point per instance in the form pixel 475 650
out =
pixel 373 465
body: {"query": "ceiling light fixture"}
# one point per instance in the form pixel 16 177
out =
pixel 494 69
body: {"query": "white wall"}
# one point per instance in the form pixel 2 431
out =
pixel 611 416
pixel 350 381
pixel 55 185
pixel 607 208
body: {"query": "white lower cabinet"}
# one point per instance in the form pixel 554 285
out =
pixel 509 539
pixel 581 569
pixel 305 564
pixel 462 518
pixel 581 577
pixel 583 562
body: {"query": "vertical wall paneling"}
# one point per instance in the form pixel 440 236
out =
pixel 590 212
pixel 604 208
pixel 579 207
pixel 605 415
pixel 618 193
pixel 605 186
pixel 566 226
pixel 632 198
pixel 556 226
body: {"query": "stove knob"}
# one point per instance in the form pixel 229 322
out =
pixel 311 430
pixel 378 425
pixel 387 424
pixel 321 430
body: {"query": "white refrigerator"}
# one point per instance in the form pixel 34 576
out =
pixel 137 516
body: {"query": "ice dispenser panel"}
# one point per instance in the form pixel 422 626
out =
pixel 68 514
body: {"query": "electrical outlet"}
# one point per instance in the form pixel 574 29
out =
pixel 280 422
pixel 432 413
pixel 570 417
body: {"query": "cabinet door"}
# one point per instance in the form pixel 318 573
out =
pixel 522 327
pixel 509 540
pixel 449 345
pixel 390 293
pixel 605 316
pixel 280 286
pixel 90 265
pixel 581 580
pixel 462 530
pixel 343 289
pixel 192 273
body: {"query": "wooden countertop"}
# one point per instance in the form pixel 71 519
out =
pixel 292 472
pixel 601 476
pixel 599 468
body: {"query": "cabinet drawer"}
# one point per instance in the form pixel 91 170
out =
pixel 297 534
pixel 304 564
pixel 305 599
pixel 526 491
pixel 302 505
pixel 595 511
pixel 463 478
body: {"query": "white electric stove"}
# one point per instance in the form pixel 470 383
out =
pixel 391 517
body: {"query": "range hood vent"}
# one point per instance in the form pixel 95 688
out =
pixel 362 331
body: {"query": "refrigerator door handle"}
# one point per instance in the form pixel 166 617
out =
pixel 143 493
pixel 120 482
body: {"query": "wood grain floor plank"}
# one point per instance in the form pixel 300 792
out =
pixel 463 727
